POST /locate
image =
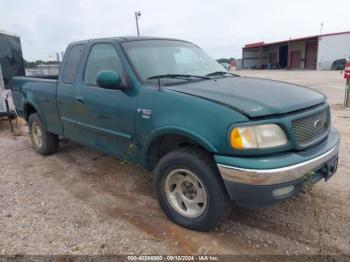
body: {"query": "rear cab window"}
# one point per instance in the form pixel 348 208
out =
pixel 71 66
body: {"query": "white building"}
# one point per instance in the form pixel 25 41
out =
pixel 313 52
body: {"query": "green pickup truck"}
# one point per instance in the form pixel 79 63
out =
pixel 209 136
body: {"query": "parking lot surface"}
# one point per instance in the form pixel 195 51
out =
pixel 80 201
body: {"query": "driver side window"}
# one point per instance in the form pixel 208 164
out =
pixel 101 57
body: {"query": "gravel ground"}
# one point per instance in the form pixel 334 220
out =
pixel 80 201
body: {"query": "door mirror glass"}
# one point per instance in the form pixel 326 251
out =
pixel 109 79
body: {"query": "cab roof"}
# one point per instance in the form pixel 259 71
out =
pixel 126 39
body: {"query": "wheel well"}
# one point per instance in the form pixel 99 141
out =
pixel 28 110
pixel 166 143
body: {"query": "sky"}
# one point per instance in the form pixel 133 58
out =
pixel 220 27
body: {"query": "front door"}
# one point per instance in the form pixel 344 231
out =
pixel 283 56
pixel 311 55
pixel 106 118
pixel 296 59
pixel 273 58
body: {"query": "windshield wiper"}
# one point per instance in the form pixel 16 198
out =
pixel 179 76
pixel 221 73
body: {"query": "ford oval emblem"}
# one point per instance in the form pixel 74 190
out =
pixel 317 123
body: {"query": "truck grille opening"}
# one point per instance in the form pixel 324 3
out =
pixel 311 127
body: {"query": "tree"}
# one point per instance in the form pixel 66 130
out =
pixel 226 60
pixel 34 64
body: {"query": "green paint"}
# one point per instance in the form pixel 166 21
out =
pixel 130 111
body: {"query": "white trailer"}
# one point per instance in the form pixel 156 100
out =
pixel 7 109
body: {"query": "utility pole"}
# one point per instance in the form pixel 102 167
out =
pixel 137 17
pixel 347 84
pixel 321 28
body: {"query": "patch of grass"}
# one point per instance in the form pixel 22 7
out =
pixel 307 180
pixel 128 152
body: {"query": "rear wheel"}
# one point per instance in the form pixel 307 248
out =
pixel 189 189
pixel 43 141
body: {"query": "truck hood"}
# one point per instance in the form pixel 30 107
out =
pixel 253 97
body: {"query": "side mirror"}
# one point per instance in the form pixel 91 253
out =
pixel 109 79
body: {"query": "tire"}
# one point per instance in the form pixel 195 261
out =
pixel 46 143
pixel 172 174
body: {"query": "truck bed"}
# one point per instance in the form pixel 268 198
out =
pixel 41 92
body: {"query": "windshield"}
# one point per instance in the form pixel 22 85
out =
pixel 151 58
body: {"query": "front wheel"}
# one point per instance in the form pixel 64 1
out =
pixel 189 189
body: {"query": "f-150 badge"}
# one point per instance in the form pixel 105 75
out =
pixel 146 113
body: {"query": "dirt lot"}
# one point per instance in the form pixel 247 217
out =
pixel 80 201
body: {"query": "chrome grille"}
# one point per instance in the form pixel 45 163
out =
pixel 311 127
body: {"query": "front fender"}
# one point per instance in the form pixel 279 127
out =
pixel 173 130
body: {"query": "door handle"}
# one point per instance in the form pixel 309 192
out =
pixel 80 99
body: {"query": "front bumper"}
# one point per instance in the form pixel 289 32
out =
pixel 253 181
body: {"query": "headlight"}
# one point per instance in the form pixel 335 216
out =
pixel 261 136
